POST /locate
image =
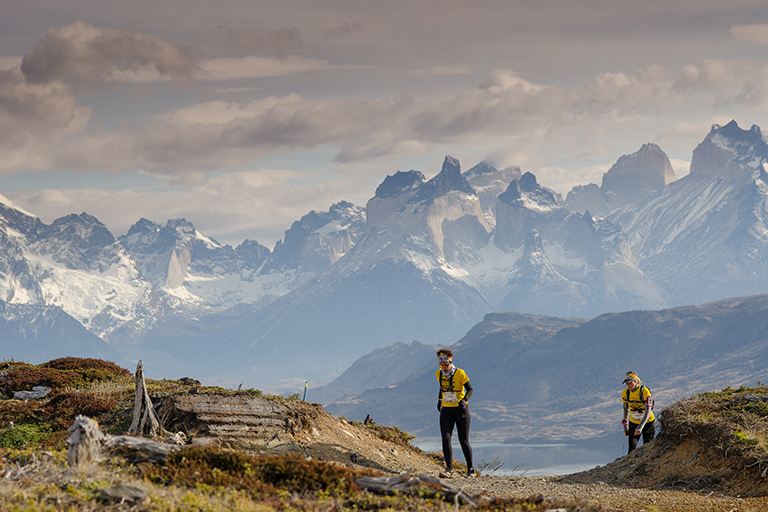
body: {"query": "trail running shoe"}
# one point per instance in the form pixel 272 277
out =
pixel 471 473
pixel 448 473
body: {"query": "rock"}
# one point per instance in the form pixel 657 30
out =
pixel 37 393
pixel 124 494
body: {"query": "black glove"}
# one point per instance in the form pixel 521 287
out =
pixel 439 406
pixel 462 403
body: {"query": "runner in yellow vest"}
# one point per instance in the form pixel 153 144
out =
pixel 455 392
pixel 638 411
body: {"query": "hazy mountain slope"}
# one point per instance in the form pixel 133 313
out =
pixel 705 236
pixel 395 284
pixel 390 365
pixel 36 334
pixel 74 263
pixel 569 264
pixel 560 382
pixel 489 353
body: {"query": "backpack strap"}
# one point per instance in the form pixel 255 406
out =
pixel 450 382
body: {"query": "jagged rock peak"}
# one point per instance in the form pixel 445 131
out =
pixel 528 187
pixel 344 208
pixel 251 249
pixel 732 131
pixel 483 167
pixel 650 159
pixel 83 227
pixel 635 176
pixel 182 226
pixel 400 183
pixel 730 152
pixel 311 222
pixel 144 226
pixel 449 179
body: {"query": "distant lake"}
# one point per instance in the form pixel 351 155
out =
pixel 532 459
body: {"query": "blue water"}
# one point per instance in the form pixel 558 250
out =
pixel 506 459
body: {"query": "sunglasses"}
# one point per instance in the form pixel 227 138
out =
pixel 445 364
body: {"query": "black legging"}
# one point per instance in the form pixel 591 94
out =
pixel 459 416
pixel 649 432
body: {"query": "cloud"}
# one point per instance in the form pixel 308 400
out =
pixel 225 69
pixel 343 29
pixel 751 33
pixel 442 70
pixel 35 118
pixel 623 91
pixel 256 67
pixel 506 104
pixel 85 56
pixel 259 205
pixel 689 134
pixel 228 136
pixel 725 84
pixel 44 127
pixel 273 42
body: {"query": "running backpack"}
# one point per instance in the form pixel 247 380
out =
pixel 650 397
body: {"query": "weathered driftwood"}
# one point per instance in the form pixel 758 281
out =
pixel 87 444
pixel 406 483
pixel 144 403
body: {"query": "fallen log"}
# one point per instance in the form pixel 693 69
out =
pixel 416 485
pixel 87 444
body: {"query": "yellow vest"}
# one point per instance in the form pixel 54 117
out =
pixel 636 403
pixel 458 379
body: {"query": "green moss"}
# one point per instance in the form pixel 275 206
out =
pixel 25 435
pixel 742 437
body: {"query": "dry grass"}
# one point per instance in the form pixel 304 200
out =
pixel 34 476
pixel 735 421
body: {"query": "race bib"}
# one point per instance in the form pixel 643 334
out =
pixel 636 416
pixel 449 397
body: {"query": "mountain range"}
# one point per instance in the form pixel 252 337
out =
pixel 424 259
pixel 539 378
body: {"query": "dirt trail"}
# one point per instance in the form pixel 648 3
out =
pixel 611 496
pixel 669 474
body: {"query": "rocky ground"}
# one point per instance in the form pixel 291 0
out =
pixel 668 475
pixel 587 488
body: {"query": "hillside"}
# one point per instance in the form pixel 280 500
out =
pixel 544 378
pixel 709 455
pixel 246 451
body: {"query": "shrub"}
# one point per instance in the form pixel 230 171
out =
pixel 259 474
pixel 80 363
pixel 62 409
pixel 21 412
pixel 25 435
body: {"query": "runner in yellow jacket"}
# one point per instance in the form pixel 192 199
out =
pixel 638 411
pixel 455 392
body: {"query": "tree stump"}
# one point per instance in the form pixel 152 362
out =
pixel 144 403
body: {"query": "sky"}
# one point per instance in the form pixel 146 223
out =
pixel 243 115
